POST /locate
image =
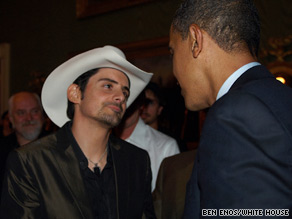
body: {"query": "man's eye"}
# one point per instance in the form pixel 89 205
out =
pixel 108 86
pixel 35 111
pixel 126 94
pixel 149 101
pixel 20 113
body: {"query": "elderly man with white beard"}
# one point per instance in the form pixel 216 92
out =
pixel 27 118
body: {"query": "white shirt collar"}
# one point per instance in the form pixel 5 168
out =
pixel 233 77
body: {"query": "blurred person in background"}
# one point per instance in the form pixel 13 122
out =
pixel 152 112
pixel 27 118
pixel 154 105
pixel 5 126
pixel 170 190
pixel 132 129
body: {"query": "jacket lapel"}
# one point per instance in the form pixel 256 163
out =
pixel 121 175
pixel 70 169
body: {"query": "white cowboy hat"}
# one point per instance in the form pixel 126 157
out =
pixel 54 91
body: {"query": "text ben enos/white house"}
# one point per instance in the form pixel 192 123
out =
pixel 245 212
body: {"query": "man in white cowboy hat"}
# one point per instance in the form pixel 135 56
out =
pixel 82 171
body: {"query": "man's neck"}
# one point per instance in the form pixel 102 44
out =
pixel 91 139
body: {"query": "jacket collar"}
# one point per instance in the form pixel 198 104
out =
pixel 70 169
pixel 252 74
pixel 121 173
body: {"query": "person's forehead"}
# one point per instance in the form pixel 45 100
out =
pixel 26 105
pixel 25 100
pixel 113 73
pixel 150 94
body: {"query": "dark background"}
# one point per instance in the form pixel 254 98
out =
pixel 44 34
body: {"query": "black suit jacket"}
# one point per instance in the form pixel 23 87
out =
pixel 7 144
pixel 244 158
pixel 43 180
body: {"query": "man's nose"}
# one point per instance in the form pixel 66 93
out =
pixel 120 97
pixel 29 116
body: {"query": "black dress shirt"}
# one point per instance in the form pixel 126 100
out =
pixel 100 186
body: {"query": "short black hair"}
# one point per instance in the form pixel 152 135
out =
pixel 233 24
pixel 157 91
pixel 81 81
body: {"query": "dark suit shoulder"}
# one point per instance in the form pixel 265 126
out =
pixel 267 89
pixel 120 144
pixel 261 96
pixel 180 161
pixel 189 155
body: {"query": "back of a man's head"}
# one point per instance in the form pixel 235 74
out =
pixel 233 24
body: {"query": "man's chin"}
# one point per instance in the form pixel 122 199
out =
pixel 146 119
pixel 111 123
pixel 30 128
pixel 144 116
pixel 31 135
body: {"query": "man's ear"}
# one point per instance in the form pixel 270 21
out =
pixel 11 119
pixel 160 110
pixel 74 93
pixel 195 39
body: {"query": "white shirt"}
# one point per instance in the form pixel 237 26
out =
pixel 233 77
pixel 157 144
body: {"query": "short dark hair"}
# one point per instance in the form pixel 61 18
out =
pixel 157 91
pixel 81 81
pixel 233 24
